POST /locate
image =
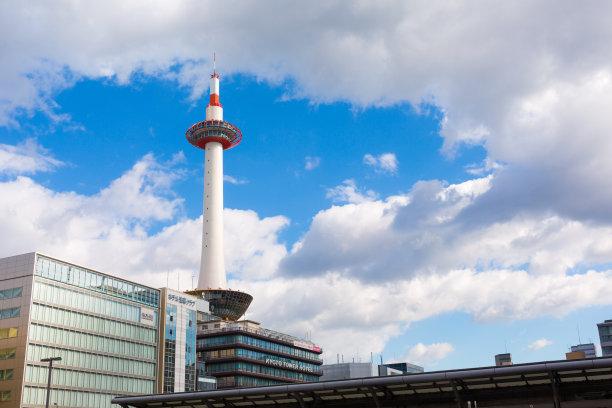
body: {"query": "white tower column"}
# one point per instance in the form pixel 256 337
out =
pixel 212 266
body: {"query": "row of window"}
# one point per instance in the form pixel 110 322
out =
pixel 5 396
pixel 71 378
pixel 252 341
pixel 10 293
pixel 259 369
pixel 605 330
pixel 6 374
pixel 84 321
pixel 7 353
pixel 88 302
pixel 105 344
pixel 91 361
pixel 8 333
pixel 242 381
pixel 10 312
pixel 36 396
pixel 83 278
pixel 256 355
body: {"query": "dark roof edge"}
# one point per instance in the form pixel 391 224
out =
pixel 545 366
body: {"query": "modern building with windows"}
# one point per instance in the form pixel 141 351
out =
pixel 605 337
pixel 243 354
pixel 177 345
pixel 105 330
pixel 588 349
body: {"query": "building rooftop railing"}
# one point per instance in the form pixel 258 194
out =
pixel 271 334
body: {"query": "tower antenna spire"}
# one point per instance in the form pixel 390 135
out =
pixel 214 64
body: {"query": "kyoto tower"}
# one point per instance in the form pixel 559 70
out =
pixel 213 135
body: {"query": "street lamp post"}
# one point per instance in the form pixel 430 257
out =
pixel 50 360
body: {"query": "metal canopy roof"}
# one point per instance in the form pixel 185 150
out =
pixel 576 383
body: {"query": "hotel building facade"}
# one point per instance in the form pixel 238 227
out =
pixel 243 354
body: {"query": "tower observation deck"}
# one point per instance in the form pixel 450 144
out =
pixel 214 135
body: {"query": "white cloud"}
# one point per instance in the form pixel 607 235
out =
pixel 26 158
pixel 498 247
pixel 233 180
pixel 312 162
pixel 109 230
pixel 538 344
pixel 383 163
pixel 357 262
pixel 429 355
pixel 350 193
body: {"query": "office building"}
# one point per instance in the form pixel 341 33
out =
pixel 406 368
pixel 177 353
pixel 605 337
pixel 588 349
pixel 105 330
pixel 503 359
pixel 243 354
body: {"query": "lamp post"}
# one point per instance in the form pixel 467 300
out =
pixel 50 360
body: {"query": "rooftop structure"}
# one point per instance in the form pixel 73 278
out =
pixel 503 359
pixel 214 135
pixel 343 371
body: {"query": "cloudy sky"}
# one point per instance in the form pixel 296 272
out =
pixel 421 181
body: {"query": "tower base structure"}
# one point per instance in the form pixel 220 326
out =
pixel 225 303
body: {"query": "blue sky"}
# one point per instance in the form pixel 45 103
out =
pixel 406 186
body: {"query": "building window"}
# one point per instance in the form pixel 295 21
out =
pixel 171 318
pixel 7 353
pixel 8 333
pixel 6 374
pixel 5 395
pixel 190 323
pixel 10 293
pixel 8 313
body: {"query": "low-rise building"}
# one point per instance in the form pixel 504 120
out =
pixel 243 354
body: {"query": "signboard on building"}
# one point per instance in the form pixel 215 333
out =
pixel 147 316
pixel 307 346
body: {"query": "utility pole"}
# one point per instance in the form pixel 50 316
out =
pixel 50 360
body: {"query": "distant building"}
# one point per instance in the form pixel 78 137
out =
pixel 503 359
pixel 342 371
pixel 588 349
pixel 406 367
pixel 605 337
pixel 243 354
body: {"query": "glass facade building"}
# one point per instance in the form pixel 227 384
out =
pixel 605 337
pixel 105 329
pixel 242 354
pixel 177 352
